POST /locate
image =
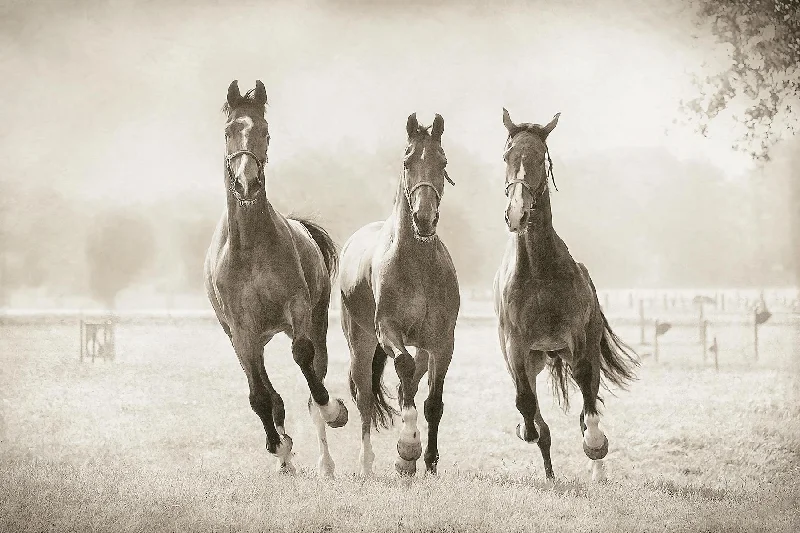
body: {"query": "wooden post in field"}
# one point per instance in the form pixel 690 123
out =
pixel 83 337
pixel 755 333
pixel 715 351
pixel 655 341
pixel 641 321
pixel 701 323
pixel 760 315
pixel 703 340
pixel 659 329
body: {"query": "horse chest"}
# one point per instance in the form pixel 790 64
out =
pixel 547 309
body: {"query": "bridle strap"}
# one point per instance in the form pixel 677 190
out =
pixel 425 184
pixel 521 182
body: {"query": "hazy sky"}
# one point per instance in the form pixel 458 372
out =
pixel 121 99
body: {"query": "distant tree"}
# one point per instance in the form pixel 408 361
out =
pixel 120 246
pixel 760 86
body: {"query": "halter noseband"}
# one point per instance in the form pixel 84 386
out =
pixel 260 179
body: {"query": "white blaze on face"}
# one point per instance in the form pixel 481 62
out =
pixel 246 124
pixel 516 201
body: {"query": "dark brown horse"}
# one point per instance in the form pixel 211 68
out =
pixel 547 305
pixel 266 274
pixel 399 289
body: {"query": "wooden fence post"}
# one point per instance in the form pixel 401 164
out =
pixel 641 322
pixel 655 341
pixel 703 339
pixel 700 320
pixel 715 347
pixel 755 333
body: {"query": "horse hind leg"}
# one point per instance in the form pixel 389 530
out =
pixel 586 373
pixel 363 353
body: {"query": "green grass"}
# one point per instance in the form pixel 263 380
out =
pixel 163 439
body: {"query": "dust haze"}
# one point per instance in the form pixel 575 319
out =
pixel 112 146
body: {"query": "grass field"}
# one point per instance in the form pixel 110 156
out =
pixel 163 439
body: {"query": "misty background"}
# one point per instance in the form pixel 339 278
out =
pixel 111 148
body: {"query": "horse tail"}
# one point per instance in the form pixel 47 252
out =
pixel 619 361
pixel 382 413
pixel 329 250
pixel 559 378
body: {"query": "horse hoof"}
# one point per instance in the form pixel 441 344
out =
pixel 522 437
pixel 287 469
pixel 431 468
pixel 410 451
pixel 341 418
pixel 596 453
pixel 405 467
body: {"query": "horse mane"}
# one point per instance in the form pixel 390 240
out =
pixel 248 99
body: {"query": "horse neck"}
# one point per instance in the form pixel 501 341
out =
pixel 250 226
pixel 402 228
pixel 537 248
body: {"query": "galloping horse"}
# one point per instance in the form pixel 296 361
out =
pixel 266 274
pixel 547 305
pixel 399 288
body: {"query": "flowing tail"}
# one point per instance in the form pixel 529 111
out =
pixel 326 245
pixel 618 363
pixel 382 413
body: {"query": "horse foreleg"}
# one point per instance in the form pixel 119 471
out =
pixel 524 366
pixel 409 446
pixel 251 357
pixel 438 363
pixel 586 373
pixel 303 351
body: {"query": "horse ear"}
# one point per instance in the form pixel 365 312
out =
pixel 412 126
pixel 260 95
pixel 233 93
pixel 438 127
pixel 550 127
pixel 510 126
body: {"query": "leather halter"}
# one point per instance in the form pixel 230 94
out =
pixel 232 180
pixel 410 191
pixel 536 195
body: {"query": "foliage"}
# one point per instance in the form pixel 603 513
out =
pixel 760 85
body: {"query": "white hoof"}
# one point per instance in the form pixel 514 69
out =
pixel 326 466
pixel 598 470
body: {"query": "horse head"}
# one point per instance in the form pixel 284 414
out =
pixel 528 166
pixel 246 142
